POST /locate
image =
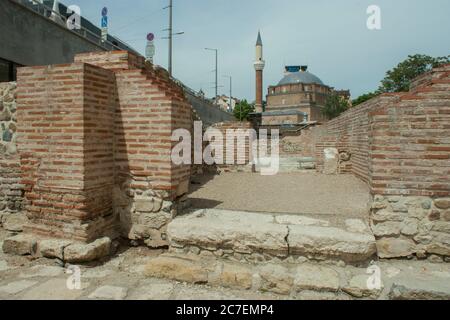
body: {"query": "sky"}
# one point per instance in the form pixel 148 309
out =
pixel 330 36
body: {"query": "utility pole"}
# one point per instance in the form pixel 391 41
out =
pixel 216 70
pixel 231 91
pixel 170 35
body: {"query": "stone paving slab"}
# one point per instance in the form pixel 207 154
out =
pixel 281 236
pixel 53 289
pixel 16 286
pixel 109 293
pixel 299 280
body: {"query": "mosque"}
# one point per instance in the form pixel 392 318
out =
pixel 298 98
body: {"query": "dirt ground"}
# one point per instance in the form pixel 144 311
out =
pixel 296 193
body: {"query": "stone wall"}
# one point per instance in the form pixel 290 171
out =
pixel 400 145
pixel 95 145
pixel 11 189
pixel 302 144
pixel 237 131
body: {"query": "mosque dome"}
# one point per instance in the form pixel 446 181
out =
pixel 299 76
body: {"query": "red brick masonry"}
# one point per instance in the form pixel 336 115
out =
pixel 88 126
pixel 399 143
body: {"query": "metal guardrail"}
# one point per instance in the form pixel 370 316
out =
pixel 47 12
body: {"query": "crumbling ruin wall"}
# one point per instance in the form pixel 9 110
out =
pixel 95 154
pixel 149 189
pixel 400 145
pixel 11 189
pixel 233 132
pixel 410 167
pixel 302 144
pixel 349 134
pixel 64 117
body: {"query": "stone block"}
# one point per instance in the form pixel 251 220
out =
pixel 314 277
pixel 386 215
pixel 236 277
pixel 188 270
pixel 109 293
pixel 276 279
pixel 442 203
pixel 358 287
pixel 14 222
pixel 330 242
pixel 53 248
pixel 386 229
pixel 80 252
pixel 418 289
pixel 20 245
pixel 151 204
pixel 155 220
pixel 395 248
pixel 409 227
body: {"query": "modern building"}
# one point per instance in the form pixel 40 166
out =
pixel 34 32
pixel 223 102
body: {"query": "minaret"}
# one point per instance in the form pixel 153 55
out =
pixel 259 67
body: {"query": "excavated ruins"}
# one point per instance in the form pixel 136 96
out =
pixel 85 162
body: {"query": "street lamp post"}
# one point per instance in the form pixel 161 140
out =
pixel 216 70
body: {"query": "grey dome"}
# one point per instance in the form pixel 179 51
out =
pixel 300 77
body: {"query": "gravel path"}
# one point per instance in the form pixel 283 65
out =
pixel 307 194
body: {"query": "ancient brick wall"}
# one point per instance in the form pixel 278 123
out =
pixel 64 115
pixel 234 134
pixel 400 145
pixel 302 144
pixel 148 186
pixel 410 143
pixel 350 133
pixel 95 146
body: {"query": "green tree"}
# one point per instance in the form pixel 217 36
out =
pixel 243 110
pixel 399 78
pixel 364 98
pixel 334 106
